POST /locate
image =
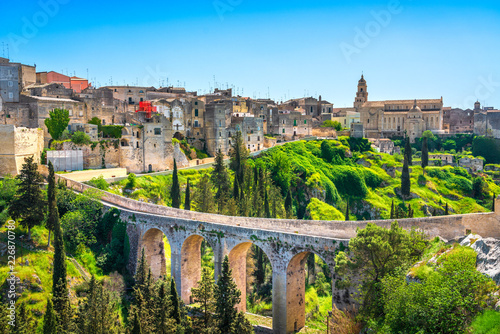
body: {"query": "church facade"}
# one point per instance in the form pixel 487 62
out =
pixel 394 118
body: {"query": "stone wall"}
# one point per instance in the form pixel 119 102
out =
pixel 324 132
pixel 96 155
pixel 16 144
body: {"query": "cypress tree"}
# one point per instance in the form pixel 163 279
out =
pixel 408 151
pixel 493 203
pixel 25 324
pixel 288 202
pixel 260 269
pixel 236 191
pixel 136 325
pixel 4 319
pixel 241 325
pixel 59 280
pixel 405 180
pixel 227 296
pixel 239 156
pixel 203 294
pixel 187 199
pixel 164 324
pixel 392 209
pixel 49 319
pixel 51 201
pixel 174 297
pixel 446 209
pixel 266 205
pixel 425 152
pixel 28 203
pixel 347 211
pixel 220 178
pixel 175 191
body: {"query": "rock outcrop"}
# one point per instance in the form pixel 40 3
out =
pixel 488 254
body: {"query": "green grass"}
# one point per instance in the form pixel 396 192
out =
pixel 486 323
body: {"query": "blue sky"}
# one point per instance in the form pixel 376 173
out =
pixel 406 49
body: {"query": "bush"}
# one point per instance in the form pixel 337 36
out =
pixel 332 124
pixel 99 183
pixel 111 131
pixel 80 138
pixel 350 181
pixel 322 211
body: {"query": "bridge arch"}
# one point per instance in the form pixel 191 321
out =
pixel 296 291
pixel 238 264
pixel 154 248
pixel 191 265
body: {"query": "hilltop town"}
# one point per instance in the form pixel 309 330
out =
pixel 143 129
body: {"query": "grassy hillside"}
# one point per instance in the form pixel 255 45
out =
pixel 324 175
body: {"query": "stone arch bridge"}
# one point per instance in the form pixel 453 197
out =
pixel 287 243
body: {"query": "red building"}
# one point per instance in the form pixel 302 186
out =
pixel 75 83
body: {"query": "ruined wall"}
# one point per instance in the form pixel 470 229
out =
pixel 96 155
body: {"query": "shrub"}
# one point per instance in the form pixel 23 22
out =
pixel 322 211
pixel 99 183
pixel 80 138
pixel 332 124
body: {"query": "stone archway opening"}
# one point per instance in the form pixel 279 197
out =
pixel 252 273
pixel 308 292
pixel 196 253
pixel 158 254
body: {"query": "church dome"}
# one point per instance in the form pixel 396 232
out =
pixel 415 112
pixel 362 80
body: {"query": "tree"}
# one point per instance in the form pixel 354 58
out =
pixel 24 324
pixel 479 187
pixel 4 319
pixel 288 203
pixel 405 179
pixel 446 209
pixel 266 205
pixel 187 199
pixel 51 201
pixel 136 327
pixel 373 254
pixel 80 138
pixel 347 211
pixel 49 319
pixel 59 279
pixel 241 325
pixel 220 178
pixel 203 197
pixel 227 296
pixel 174 297
pixel 425 153
pixel 238 157
pixel 96 313
pixel 28 204
pixel 203 294
pixel 175 191
pixel 444 301
pixel 164 324
pixel 332 124
pixel 57 122
pixel 493 202
pixel 392 210
pixel 408 153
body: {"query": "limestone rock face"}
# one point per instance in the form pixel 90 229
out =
pixel 180 157
pixel 488 254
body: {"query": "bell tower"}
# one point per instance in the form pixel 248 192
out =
pixel 362 93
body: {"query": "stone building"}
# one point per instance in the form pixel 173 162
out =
pixel 345 116
pixel 74 83
pixel 16 144
pixel 290 124
pixel 457 120
pixel 385 119
pixel 13 78
pixel 486 121
pixel 251 129
pixel 310 105
pixel 217 123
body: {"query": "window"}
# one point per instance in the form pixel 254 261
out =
pixel 311 110
pixel 142 99
pixel 137 145
pixel 283 130
pixel 71 112
pixel 220 123
pixel 368 121
pixel 157 131
pixel 11 95
pixel 11 84
pixel 305 121
pixel 196 113
pixel 283 121
pixel 195 103
pixel 196 123
pixel 294 122
pixel 258 138
pixel 248 138
pixel 220 134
